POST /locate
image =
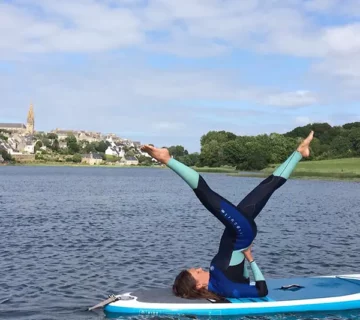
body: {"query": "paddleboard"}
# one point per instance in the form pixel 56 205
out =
pixel 325 293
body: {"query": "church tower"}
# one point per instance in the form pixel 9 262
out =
pixel 30 126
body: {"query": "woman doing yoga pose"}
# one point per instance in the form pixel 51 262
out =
pixel 228 276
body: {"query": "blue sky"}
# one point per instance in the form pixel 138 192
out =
pixel 168 71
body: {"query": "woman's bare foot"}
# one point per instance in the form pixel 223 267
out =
pixel 304 147
pixel 160 154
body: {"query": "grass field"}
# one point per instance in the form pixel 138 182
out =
pixel 344 169
pixel 216 169
pixel 349 165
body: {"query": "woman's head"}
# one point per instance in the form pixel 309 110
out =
pixel 192 284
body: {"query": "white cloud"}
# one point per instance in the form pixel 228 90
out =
pixel 168 126
pixel 323 6
pixel 302 121
pixel 187 28
pixel 117 88
pixel 295 99
pixel 343 39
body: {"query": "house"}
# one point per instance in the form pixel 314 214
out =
pixel 88 136
pixel 115 149
pixel 62 144
pixel 130 161
pixel 92 158
pixel 17 143
pixel 144 154
pixel 30 148
pixel 7 147
pixel 63 134
pixel 13 127
pixel 112 151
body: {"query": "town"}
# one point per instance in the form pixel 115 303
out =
pixel 23 144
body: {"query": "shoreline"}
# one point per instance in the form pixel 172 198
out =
pixel 319 176
pixel 231 172
pixel 69 164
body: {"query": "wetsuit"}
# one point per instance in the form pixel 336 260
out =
pixel 229 277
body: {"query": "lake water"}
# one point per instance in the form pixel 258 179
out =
pixel 71 236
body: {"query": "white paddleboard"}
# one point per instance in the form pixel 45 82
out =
pixel 329 293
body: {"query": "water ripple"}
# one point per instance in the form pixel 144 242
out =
pixel 71 236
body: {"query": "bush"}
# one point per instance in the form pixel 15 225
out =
pixel 77 158
pixel 6 156
pixel 111 158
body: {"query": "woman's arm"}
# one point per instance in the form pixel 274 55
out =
pixel 258 276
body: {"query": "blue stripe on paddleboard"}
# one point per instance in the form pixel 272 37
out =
pixel 246 300
pixel 335 306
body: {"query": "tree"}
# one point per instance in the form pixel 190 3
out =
pixel 354 137
pixel 219 136
pixel 91 147
pixel 349 126
pixel 256 156
pixel 145 161
pixel 102 146
pixel 318 150
pixel 5 155
pixel 235 151
pixel 52 136
pixel 38 145
pixel 77 158
pixel 280 147
pixel 340 147
pixel 46 142
pixel 130 153
pixel 299 132
pixel 55 145
pixel 72 144
pixel 38 136
pixel 190 160
pixel 177 151
pixel 211 154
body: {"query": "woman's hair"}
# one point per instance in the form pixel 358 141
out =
pixel 185 287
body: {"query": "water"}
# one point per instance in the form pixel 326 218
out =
pixel 71 236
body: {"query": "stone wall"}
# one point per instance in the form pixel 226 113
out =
pixel 23 157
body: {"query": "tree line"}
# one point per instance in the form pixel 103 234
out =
pixel 223 148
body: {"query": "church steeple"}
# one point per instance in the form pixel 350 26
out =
pixel 30 126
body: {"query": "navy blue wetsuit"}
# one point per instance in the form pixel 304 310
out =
pixel 240 231
pixel 229 278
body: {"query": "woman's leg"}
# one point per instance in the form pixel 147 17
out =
pixel 255 201
pixel 242 228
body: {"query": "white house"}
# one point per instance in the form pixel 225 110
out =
pixel 144 154
pixel 7 147
pixel 115 151
pixel 62 144
pixel 29 148
pixel 111 151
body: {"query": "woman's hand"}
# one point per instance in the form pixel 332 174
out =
pixel 248 254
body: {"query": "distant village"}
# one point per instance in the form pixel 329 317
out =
pixel 23 143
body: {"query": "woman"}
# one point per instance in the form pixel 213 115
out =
pixel 228 276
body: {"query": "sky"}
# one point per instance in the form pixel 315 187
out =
pixel 168 71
